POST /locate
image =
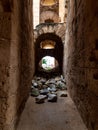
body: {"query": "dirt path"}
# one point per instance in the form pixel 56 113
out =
pixel 62 115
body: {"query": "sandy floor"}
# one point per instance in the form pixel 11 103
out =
pixel 62 115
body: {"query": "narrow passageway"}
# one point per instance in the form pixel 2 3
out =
pixel 48 38
pixel 58 115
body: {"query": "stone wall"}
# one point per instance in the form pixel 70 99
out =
pixel 81 58
pixel 16 59
pixel 49 15
pixel 49 11
pixel 5 39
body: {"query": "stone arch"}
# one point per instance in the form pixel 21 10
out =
pixel 49 15
pixel 57 29
pixel 40 53
pixel 55 64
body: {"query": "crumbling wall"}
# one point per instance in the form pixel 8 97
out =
pixel 16 59
pixel 81 58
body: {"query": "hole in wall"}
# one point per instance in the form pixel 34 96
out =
pixel 48 2
pixel 7 5
pixel 47 44
pixel 49 21
pixel 51 45
pixel 48 63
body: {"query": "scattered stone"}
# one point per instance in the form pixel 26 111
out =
pixel 47 82
pixel 40 99
pixel 52 85
pixel 44 91
pixel 45 86
pixel 53 89
pixel 61 85
pixel 54 93
pixel 35 84
pixel 37 78
pixel 52 98
pixel 52 81
pixel 63 94
pixel 63 80
pixel 57 78
pixel 42 88
pixel 33 81
pixel 32 87
pixel 43 81
pixel 35 92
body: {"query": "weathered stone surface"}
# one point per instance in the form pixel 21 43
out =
pixel 61 85
pixel 45 86
pixel 35 84
pixel 43 80
pixel 44 91
pixel 58 29
pixel 57 78
pixel 52 89
pixel 52 98
pixel 40 99
pixel 80 59
pixel 16 60
pixel 35 92
pixel 51 81
pixel 63 94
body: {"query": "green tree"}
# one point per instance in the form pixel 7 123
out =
pixel 44 61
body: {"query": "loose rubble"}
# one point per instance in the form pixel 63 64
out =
pixel 43 89
pixel 63 94
pixel 40 99
pixel 52 98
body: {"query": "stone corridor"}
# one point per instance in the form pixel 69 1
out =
pixel 65 30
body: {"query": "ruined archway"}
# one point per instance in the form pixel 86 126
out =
pixel 56 52
pixel 16 56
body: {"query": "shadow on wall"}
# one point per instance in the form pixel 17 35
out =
pixel 6 5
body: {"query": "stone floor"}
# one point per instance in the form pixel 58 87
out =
pixel 61 115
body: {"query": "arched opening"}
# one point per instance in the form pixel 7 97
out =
pixel 48 2
pixel 49 16
pixel 48 63
pixel 49 21
pixel 49 44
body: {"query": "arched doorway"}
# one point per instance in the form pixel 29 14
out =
pixel 51 45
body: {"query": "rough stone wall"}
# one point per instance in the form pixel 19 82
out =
pixel 49 15
pixel 49 12
pixel 81 58
pixel 5 39
pixel 16 59
pixel 54 8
